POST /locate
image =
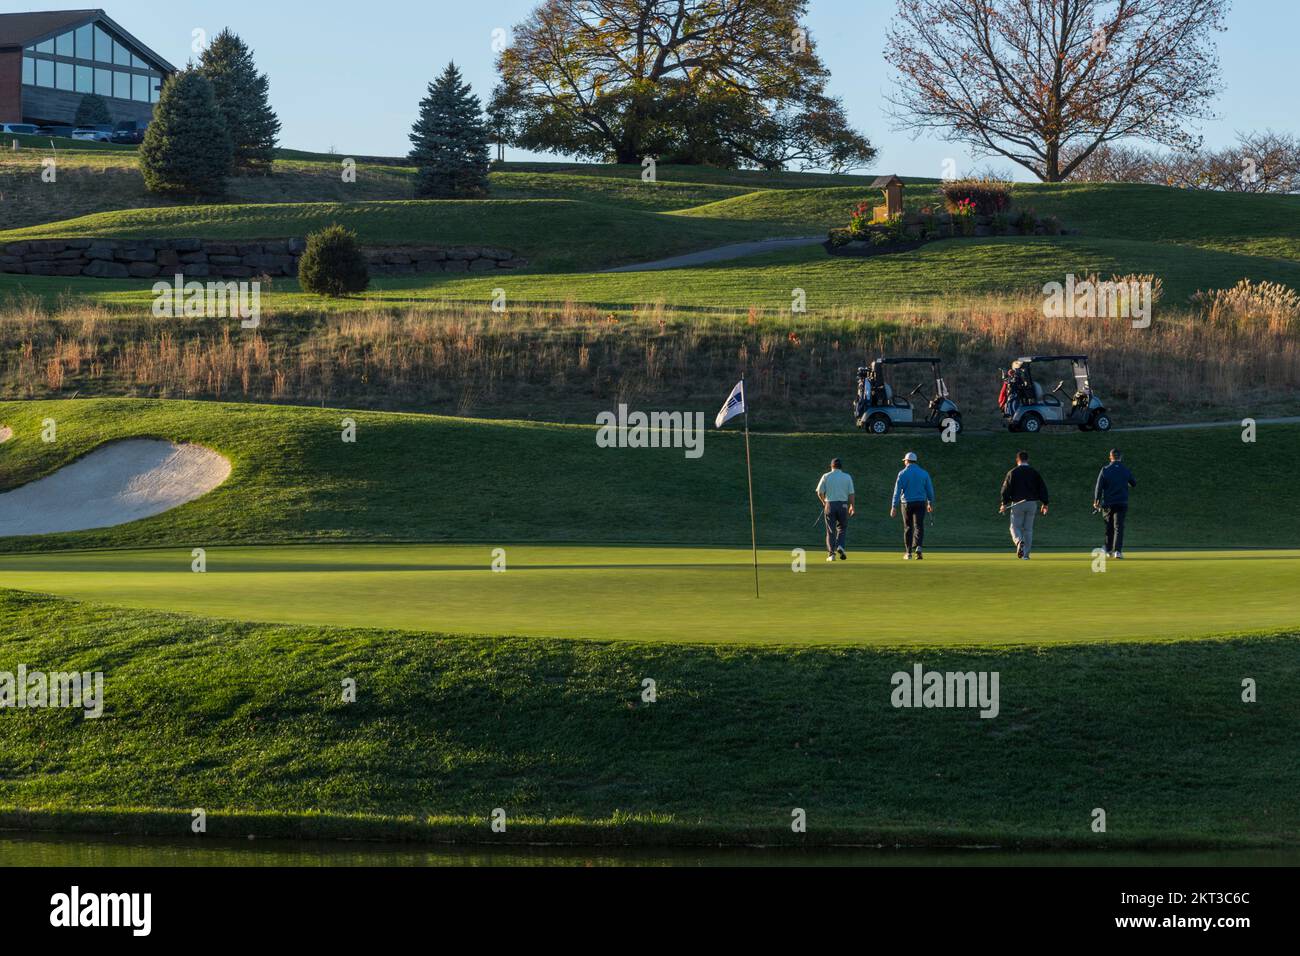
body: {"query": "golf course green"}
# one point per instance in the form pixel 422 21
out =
pixel 696 595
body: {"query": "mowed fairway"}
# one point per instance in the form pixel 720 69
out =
pixel 696 595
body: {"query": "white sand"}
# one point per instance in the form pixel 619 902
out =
pixel 120 482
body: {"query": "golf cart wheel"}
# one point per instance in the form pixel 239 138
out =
pixel 1032 423
pixel 1101 420
pixel 878 424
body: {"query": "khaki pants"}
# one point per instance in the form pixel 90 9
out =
pixel 1022 524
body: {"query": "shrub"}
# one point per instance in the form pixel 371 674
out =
pixel 861 218
pixel 999 224
pixel 186 149
pixel 1026 222
pixel 92 111
pixel 988 196
pixel 963 217
pixel 333 263
pixel 1051 226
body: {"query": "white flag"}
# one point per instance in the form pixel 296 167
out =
pixel 735 405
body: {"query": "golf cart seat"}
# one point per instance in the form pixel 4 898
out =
pixel 1038 393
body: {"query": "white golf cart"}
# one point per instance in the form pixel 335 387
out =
pixel 878 408
pixel 1029 406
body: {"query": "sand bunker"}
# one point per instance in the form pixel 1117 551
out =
pixel 115 484
pixel 6 433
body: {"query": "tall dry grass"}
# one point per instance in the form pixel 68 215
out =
pixel 569 363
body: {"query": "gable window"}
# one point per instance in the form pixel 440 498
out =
pixel 45 47
pixel 45 73
pixel 104 82
pixel 29 71
pixel 122 85
pixel 85 79
pixel 63 75
pixel 103 46
pixel 86 42
pixel 63 44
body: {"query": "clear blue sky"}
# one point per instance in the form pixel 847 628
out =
pixel 349 74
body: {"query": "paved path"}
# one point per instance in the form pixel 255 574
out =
pixel 1295 420
pixel 737 250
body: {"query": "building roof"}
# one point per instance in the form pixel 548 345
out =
pixel 883 181
pixel 25 29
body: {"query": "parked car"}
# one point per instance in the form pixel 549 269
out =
pixel 64 131
pixel 129 132
pixel 92 134
pixel 23 129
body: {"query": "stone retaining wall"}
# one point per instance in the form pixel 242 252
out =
pixel 199 258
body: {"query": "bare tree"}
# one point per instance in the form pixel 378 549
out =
pixel 1033 80
pixel 1259 162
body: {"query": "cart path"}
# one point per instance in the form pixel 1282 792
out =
pixel 736 250
pixel 1293 420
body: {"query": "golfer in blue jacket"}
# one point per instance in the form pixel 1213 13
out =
pixel 914 493
pixel 1111 498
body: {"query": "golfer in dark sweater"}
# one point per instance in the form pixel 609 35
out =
pixel 1111 498
pixel 1024 494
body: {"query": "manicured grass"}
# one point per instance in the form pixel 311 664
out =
pixel 553 233
pixel 435 479
pixel 694 595
pixel 247 722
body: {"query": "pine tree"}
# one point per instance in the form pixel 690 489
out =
pixel 243 96
pixel 92 111
pixel 449 142
pixel 186 149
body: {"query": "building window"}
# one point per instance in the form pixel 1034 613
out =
pixel 86 42
pixel 121 55
pixel 45 47
pixel 104 82
pixel 45 73
pixel 103 46
pixel 63 75
pixel 155 89
pixel 85 79
pixel 139 88
pixel 29 71
pixel 63 44
pixel 122 85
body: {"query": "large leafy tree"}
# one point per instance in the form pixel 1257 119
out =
pixel 449 141
pixel 186 149
pixel 243 95
pixel 1045 83
pixel 735 82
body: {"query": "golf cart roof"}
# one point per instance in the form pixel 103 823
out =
pixel 906 359
pixel 1027 359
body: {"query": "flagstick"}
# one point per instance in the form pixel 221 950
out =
pixel 749 470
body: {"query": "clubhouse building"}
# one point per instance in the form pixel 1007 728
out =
pixel 49 61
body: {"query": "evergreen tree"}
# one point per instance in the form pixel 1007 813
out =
pixel 92 111
pixel 449 142
pixel 186 149
pixel 243 96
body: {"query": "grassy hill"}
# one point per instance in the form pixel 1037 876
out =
pixel 410 477
pixel 247 722
pixel 572 219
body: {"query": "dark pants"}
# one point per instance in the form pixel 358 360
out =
pixel 1115 515
pixel 913 525
pixel 837 525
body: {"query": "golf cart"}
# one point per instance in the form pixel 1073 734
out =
pixel 1029 406
pixel 878 409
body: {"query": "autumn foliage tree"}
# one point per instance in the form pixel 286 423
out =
pixel 726 82
pixel 1046 83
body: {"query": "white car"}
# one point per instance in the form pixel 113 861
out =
pixel 92 135
pixel 23 129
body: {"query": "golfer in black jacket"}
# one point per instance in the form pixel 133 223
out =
pixel 1110 497
pixel 1024 494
